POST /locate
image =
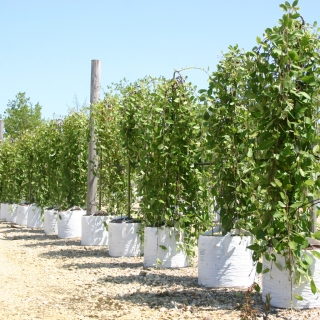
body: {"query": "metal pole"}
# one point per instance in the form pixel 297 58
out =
pixel 92 157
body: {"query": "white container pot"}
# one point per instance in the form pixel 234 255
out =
pixel 70 223
pixel 3 213
pixel 50 223
pixel 161 248
pixel 22 215
pixel 34 217
pixel 282 288
pixel 12 213
pixel 124 239
pixel 225 261
pixel 94 232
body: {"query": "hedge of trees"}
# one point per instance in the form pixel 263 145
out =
pixel 256 125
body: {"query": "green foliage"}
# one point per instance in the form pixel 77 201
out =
pixel 262 121
pixel 21 115
pixel 162 134
pixel 230 140
pixel 112 176
pixel 284 86
pixel 47 166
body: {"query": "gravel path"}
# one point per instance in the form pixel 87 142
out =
pixel 43 277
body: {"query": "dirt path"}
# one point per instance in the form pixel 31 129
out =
pixel 43 277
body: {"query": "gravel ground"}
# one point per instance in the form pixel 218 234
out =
pixel 44 277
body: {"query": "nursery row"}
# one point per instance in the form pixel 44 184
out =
pixel 223 261
pixel 248 146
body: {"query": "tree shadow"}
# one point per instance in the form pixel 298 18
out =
pixel 188 297
pixel 80 251
pixel 134 265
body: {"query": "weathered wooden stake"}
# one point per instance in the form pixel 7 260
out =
pixel 92 158
pixel 1 129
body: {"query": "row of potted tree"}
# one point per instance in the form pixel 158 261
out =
pixel 170 160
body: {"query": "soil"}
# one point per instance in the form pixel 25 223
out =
pixel 43 277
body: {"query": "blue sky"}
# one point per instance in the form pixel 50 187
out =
pixel 47 46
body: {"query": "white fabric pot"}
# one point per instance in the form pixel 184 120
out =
pixel 12 213
pixel 94 232
pixel 282 289
pixel 34 217
pixel 3 213
pixel 22 215
pixel 124 239
pixel 161 248
pixel 50 223
pixel 225 261
pixel 69 223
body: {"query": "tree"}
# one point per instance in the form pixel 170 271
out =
pixel 21 115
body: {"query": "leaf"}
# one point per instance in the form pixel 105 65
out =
pixel 266 144
pixel 293 55
pixel 259 267
pixel 304 94
pixel 283 7
pixel 302 173
pixel 254 247
pixel 316 254
pixel 308 259
pixel 249 154
pixel 316 235
pixel 278 182
pixel 163 247
pixel 296 205
pixel 309 182
pixel 298 297
pixel 295 2
pixel 315 149
pixel 307 79
pixel 293 245
pixel 159 262
pixel 281 204
pixel 278 265
pixel 266 270
pixel 257 287
pixel 313 287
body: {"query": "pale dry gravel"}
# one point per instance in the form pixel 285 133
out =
pixel 43 277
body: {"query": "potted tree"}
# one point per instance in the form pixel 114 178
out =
pixel 285 88
pixel 125 229
pixel 73 164
pixel 111 178
pixel 162 130
pixel 223 257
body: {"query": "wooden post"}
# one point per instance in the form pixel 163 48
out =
pixel 92 157
pixel 1 129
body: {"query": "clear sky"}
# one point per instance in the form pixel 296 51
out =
pixel 47 45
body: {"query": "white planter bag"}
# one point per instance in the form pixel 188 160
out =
pixel 34 217
pixel 70 223
pixel 12 213
pixel 124 240
pixel 50 223
pixel 94 232
pixel 3 213
pixel 225 261
pixel 22 215
pixel 281 289
pixel 161 248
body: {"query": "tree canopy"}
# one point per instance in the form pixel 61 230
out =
pixel 21 115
